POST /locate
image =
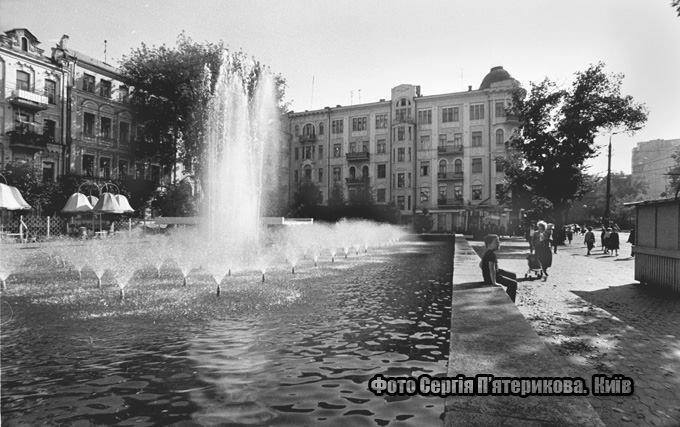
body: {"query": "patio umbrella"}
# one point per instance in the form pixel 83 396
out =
pixel 77 203
pixel 123 203
pixel 107 204
pixel 93 200
pixel 8 200
pixel 19 198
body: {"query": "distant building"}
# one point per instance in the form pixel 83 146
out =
pixel 32 93
pixel 650 163
pixel 434 152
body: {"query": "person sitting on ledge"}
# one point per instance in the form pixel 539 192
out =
pixel 490 271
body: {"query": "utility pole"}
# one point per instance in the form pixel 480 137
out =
pixel 609 181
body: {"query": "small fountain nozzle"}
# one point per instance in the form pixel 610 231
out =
pixel 3 286
pixel 229 272
pixel 184 281
pixel 99 282
pixel 218 290
pixel 262 277
pixel 292 270
pixel 121 295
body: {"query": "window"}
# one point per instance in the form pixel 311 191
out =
pixel 457 192
pixel 424 117
pixel 336 126
pixel 352 172
pixel 400 133
pixel 123 93
pixel 24 44
pixel 124 132
pixel 477 192
pixel 105 167
pixel 337 174
pixel 443 192
pixel 105 88
pixel 476 139
pixel 353 147
pixel 381 121
pixel 337 150
pixel 308 130
pixel 477 112
pixel 364 146
pixel 424 168
pixel 499 192
pixel 442 166
pixel 442 139
pixel 458 140
pixel 49 129
pixel 88 124
pixel 122 169
pixel 500 137
pixel 48 172
pixel 296 130
pixel 297 153
pixel 155 174
pixel 320 128
pixel 380 195
pixel 408 180
pixel 358 124
pixel 364 172
pixel 307 170
pixel 458 166
pixel 308 153
pixel 400 154
pixel 499 166
pixel 320 174
pixel 296 178
pixel 105 126
pixel 409 154
pixel 401 178
pixel 500 109
pixel 477 165
pixel 424 194
pixel 88 83
pixel 381 147
pixel 401 202
pixel 424 141
pixel 23 80
pixel 139 170
pixel 320 151
pixel 88 165
pixel 403 114
pixel 51 91
pixel 382 171
pixel 450 114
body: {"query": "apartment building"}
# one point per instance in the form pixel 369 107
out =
pixel 651 161
pixel 32 91
pixel 420 152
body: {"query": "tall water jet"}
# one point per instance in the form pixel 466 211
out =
pixel 241 150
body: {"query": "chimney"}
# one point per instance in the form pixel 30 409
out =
pixel 63 43
pixel 469 88
pixel 417 90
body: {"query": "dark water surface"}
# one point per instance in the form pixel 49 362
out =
pixel 297 350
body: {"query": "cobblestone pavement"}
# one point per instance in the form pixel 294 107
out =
pixel 591 311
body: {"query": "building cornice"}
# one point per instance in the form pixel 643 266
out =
pixel 42 61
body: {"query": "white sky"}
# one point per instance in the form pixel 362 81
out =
pixel 373 45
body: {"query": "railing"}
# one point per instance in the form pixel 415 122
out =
pixel 449 202
pixel 358 156
pixel 450 149
pixel 21 136
pixel 307 138
pixel 357 181
pixel 29 98
pixel 445 176
pixel 400 120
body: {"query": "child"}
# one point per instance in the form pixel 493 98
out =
pixel 490 271
pixel 590 239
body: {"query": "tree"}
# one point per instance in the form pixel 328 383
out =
pixel 175 200
pixel 556 135
pixel 674 175
pixel 172 86
pixel 44 197
pixel 306 198
pixel 676 5
pixel 337 197
pixel 624 189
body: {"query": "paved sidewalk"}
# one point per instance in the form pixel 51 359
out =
pixel 591 311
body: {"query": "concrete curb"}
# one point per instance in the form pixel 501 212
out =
pixel 490 336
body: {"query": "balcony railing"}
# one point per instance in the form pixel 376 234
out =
pixel 449 176
pixel 450 149
pixel 403 120
pixel 23 137
pixel 450 202
pixel 307 138
pixel 357 181
pixel 29 99
pixel 360 156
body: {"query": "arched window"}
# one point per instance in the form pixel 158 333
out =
pixel 320 128
pixel 307 172
pixel 352 172
pixel 24 44
pixel 297 130
pixel 308 130
pixel 458 166
pixel 500 137
pixel 364 172
pixel 442 166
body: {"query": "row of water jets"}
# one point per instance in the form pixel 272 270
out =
pixel 189 250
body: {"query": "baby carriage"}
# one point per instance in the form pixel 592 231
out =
pixel 535 267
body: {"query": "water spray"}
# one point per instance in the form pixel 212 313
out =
pixel 292 270
pixel 262 277
pixel 99 282
pixel 229 272
pixel 121 294
pixel 3 286
pixel 218 290
pixel 184 281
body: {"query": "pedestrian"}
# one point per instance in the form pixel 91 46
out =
pixel 604 231
pixel 553 236
pixel 631 240
pixel 570 234
pixel 528 235
pixel 614 240
pixel 541 243
pixel 607 240
pixel 490 271
pixel 589 239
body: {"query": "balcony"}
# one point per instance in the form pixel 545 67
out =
pixel 450 176
pixel 28 137
pixel 357 181
pixel 403 120
pixel 450 203
pixel 29 99
pixel 450 149
pixel 307 138
pixel 360 156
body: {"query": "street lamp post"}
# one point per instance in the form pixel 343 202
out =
pixel 605 218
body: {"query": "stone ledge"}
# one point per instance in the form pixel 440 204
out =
pixel 490 336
